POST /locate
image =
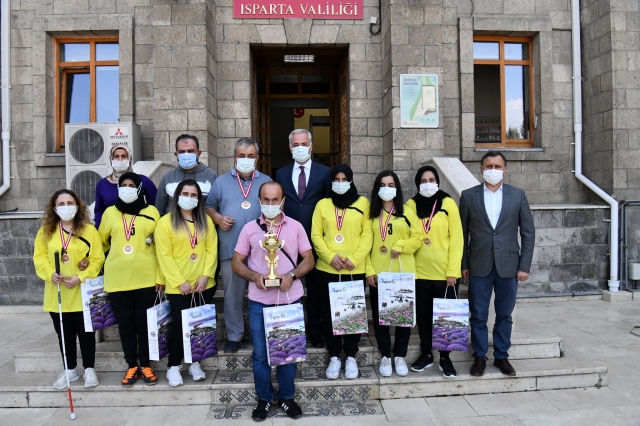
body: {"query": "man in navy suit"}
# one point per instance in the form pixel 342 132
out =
pixel 305 183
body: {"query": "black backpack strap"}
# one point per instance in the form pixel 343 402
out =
pixel 264 229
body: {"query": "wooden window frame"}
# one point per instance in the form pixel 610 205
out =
pixel 63 68
pixel 502 62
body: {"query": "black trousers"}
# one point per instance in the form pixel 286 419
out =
pixel 130 308
pixel 335 344
pixel 426 291
pixel 178 304
pixel 402 334
pixel 314 317
pixel 73 325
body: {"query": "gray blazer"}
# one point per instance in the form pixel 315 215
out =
pixel 484 246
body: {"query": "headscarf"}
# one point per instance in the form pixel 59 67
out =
pixel 424 205
pixel 139 204
pixel 115 176
pixel 342 201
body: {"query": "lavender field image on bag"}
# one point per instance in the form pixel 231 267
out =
pixel 396 299
pixel 285 334
pixel 348 308
pixel 200 337
pixel 451 325
pixel 97 311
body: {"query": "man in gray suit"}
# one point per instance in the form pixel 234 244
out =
pixel 492 259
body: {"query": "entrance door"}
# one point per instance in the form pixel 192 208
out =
pixel 300 88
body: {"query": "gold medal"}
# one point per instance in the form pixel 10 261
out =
pixel 65 258
pixel 246 205
pixel 128 249
pixel 339 238
pixel 427 241
pixel 193 257
pixel 384 250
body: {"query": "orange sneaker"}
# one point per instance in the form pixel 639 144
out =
pixel 149 376
pixel 130 376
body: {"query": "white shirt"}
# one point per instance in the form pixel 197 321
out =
pixel 296 173
pixel 493 204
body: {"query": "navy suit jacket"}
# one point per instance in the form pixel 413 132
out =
pixel 318 187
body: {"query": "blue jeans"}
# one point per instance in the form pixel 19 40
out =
pixel 480 289
pixel 285 374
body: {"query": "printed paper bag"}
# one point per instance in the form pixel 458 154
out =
pixel 348 308
pixel 285 333
pixel 199 336
pixel 396 299
pixel 158 329
pixel 96 305
pixel 451 325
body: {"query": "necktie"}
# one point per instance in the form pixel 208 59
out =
pixel 302 183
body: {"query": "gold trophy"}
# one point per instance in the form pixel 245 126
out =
pixel 271 245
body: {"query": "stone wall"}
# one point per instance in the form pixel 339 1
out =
pixel 19 284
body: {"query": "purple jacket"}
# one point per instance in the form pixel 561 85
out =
pixel 107 195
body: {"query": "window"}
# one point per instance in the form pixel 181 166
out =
pixel 88 82
pixel 503 92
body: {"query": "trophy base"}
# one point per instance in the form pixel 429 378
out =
pixel 272 282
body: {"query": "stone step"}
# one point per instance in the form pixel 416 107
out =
pixel 237 388
pixel 109 356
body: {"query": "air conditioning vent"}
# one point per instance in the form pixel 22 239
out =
pixel 86 146
pixel 84 184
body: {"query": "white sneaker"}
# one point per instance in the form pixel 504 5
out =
pixel 174 375
pixel 385 367
pixel 401 366
pixel 196 372
pixel 333 370
pixel 61 381
pixel 351 368
pixel 90 378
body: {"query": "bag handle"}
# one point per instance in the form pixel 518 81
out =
pixel 278 298
pixel 454 291
pixel 399 261
pixel 340 276
pixel 194 301
pixel 161 296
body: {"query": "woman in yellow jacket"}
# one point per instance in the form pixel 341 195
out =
pixel 438 260
pixel 131 272
pixel 396 237
pixel 187 251
pixel 342 237
pixel 66 230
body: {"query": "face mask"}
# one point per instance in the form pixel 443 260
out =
pixel 66 212
pixel 387 193
pixel 340 187
pixel 493 176
pixel 301 153
pixel 188 160
pixel 246 165
pixel 428 189
pixel 270 211
pixel 127 194
pixel 187 203
pixel 120 165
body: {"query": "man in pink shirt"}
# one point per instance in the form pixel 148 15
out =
pixel 249 263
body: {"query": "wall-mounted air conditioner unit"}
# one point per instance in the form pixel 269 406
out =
pixel 87 148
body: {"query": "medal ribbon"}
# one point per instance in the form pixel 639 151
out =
pixel 427 225
pixel 383 230
pixel 340 218
pixel 245 194
pixel 128 229
pixel 193 238
pixel 65 242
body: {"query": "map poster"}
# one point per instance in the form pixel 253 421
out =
pixel 419 101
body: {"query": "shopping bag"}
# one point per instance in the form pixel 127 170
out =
pixel 450 324
pixel 158 328
pixel 199 336
pixel 396 299
pixel 96 305
pixel 285 333
pixel 348 307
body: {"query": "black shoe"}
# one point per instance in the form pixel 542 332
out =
pixel 231 347
pixel 424 361
pixel 315 340
pixel 260 412
pixel 446 366
pixel 290 407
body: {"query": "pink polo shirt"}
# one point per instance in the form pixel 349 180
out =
pixel 295 241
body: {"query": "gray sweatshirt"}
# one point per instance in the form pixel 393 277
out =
pixel 167 187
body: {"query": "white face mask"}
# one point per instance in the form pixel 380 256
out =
pixel 386 193
pixel 127 194
pixel 66 212
pixel 428 189
pixel 301 153
pixel 270 211
pixel 187 203
pixel 340 187
pixel 245 165
pixel 493 176
pixel 120 165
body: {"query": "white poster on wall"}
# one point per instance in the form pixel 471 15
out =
pixel 419 106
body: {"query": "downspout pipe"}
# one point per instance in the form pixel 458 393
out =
pixel 614 281
pixel 5 77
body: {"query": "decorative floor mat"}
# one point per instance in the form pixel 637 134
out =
pixel 310 409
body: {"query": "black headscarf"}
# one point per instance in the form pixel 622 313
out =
pixel 342 201
pixel 139 204
pixel 424 205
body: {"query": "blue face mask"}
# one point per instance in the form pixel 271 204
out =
pixel 187 160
